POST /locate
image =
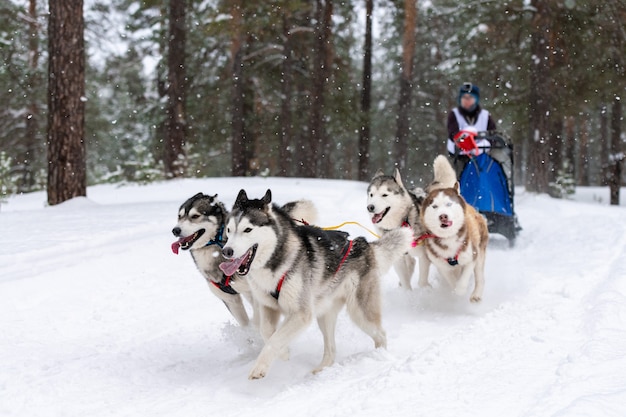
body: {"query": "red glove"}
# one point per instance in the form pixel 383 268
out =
pixel 465 141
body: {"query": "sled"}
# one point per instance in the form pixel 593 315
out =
pixel 484 163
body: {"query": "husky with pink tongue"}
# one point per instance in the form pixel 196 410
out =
pixel 200 230
pixel 455 240
pixel 392 205
pixel 303 272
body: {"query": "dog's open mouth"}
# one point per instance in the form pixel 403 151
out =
pixel 378 217
pixel 185 243
pixel 446 223
pixel 239 265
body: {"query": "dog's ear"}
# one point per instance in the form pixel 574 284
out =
pixel 267 198
pixel 242 197
pixel 378 173
pixel 397 177
pixel 457 187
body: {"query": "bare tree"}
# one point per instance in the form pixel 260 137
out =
pixel 538 176
pixel 285 153
pixel 27 182
pixel 318 140
pixel 66 105
pixel 366 95
pixel 175 160
pixel 617 156
pixel 406 83
pixel 584 154
pixel 239 138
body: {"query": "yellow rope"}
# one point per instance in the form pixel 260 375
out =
pixel 354 223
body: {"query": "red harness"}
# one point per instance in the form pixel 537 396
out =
pixel 224 285
pixel 276 292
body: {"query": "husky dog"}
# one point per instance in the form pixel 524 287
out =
pixel 200 229
pixel 392 205
pixel 455 240
pixel 302 272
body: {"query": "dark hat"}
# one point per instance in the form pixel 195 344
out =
pixel 469 88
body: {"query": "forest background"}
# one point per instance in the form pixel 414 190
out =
pixel 317 88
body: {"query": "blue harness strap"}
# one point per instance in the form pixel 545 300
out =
pixel 219 238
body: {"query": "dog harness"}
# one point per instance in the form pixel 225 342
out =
pixel 451 261
pixel 224 285
pixel 219 238
pixel 346 252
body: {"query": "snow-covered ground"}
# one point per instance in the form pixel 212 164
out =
pixel 99 318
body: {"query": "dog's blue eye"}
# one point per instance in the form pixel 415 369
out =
pixel 448 204
pixel 435 206
pixel 247 230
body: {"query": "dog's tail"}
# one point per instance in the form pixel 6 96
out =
pixel 302 211
pixel 391 246
pixel 445 176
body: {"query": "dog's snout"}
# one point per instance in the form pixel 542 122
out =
pixel 228 252
pixel 371 208
pixel 443 217
pixel 176 231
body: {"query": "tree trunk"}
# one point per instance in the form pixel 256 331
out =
pixel 366 96
pixel 538 176
pixel 604 146
pixel 569 148
pixel 319 159
pixel 285 122
pixel 175 126
pixel 582 169
pixel 556 146
pixel 67 177
pixel 617 156
pixel 406 84
pixel 239 163
pixel 27 182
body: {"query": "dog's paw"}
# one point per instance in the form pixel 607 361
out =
pixel 320 368
pixel 258 372
pixel 425 285
pixel 475 298
pixel 284 354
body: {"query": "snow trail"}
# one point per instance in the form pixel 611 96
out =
pixel 99 318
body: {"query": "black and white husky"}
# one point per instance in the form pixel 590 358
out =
pixel 392 205
pixel 303 272
pixel 200 230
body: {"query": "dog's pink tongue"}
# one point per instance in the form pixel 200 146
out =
pixel 446 223
pixel 377 217
pixel 175 247
pixel 230 266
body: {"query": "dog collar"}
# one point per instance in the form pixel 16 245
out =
pixel 219 238
pixel 451 261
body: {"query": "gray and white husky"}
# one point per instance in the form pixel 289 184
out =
pixel 303 272
pixel 200 230
pixel 392 205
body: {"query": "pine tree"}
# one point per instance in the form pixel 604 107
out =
pixel 67 177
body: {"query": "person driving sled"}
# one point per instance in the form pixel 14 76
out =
pixel 468 115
